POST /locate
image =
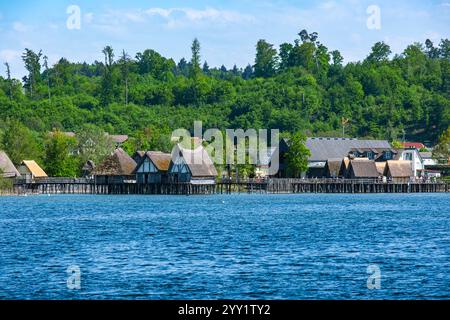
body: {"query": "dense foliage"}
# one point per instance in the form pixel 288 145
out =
pixel 301 87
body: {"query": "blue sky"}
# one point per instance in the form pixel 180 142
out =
pixel 227 30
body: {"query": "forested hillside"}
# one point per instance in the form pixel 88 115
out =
pixel 300 86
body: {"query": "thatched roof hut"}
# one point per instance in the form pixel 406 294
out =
pixel 117 164
pixel 30 169
pixel 333 168
pixel 160 160
pixel 398 169
pixel 7 168
pixel 194 166
pixel 344 167
pixel 362 169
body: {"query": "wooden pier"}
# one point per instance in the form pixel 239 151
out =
pixel 225 186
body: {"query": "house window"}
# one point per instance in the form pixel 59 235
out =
pixel 370 154
pixel 388 155
pixel 408 156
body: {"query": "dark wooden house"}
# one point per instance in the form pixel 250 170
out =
pixel 153 167
pixel 115 169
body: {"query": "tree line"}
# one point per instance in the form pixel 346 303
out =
pixel 300 87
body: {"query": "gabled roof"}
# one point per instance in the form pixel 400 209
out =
pixel 117 164
pixel 363 169
pixel 333 166
pixel 34 168
pixel 198 161
pixel 323 149
pixel 398 169
pixel 160 160
pixel 7 168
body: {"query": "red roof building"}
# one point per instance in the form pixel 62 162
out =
pixel 413 145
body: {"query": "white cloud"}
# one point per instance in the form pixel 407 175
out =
pixel 175 15
pixel 9 55
pixel 329 5
pixel 20 27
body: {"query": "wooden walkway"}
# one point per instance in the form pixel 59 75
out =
pixel 88 186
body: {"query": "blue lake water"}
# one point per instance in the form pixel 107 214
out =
pixel 226 247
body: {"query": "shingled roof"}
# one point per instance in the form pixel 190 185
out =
pixel 323 149
pixel 7 168
pixel 117 164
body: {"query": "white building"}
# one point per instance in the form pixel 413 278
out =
pixel 428 159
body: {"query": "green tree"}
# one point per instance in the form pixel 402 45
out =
pixel 20 143
pixel 124 63
pixel 33 66
pixel 297 156
pixel 195 69
pixel 107 91
pixel 266 59
pixel 93 144
pixel 441 152
pixel 8 78
pixel 380 52
pixel 60 159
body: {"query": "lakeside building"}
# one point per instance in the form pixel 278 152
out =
pixel 427 158
pixel 413 145
pixel 192 166
pixel 153 167
pixel 362 169
pixel 398 171
pixel 323 149
pixel 413 156
pixel 333 168
pixel 7 168
pixel 115 169
pixel 30 170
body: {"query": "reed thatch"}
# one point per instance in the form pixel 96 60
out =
pixel 31 167
pixel 332 168
pixel 159 159
pixel 117 164
pixel 7 168
pixel 398 169
pixel 362 169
